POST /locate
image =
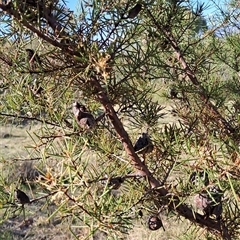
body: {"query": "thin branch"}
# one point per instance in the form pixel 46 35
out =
pixel 28 118
pixel 28 159
pixel 6 59
pixel 67 49
pixel 45 196
pixel 171 200
pixel 191 75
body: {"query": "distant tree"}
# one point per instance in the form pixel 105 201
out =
pixel 93 81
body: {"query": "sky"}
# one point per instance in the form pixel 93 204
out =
pixel 73 5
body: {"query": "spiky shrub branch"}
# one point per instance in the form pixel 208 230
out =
pixel 100 58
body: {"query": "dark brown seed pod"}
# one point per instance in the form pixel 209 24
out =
pixel 143 144
pixel 140 213
pixel 133 12
pixel 84 119
pixel 173 93
pixel 154 223
pixel 210 202
pixel 33 58
pixel 22 197
pixel 115 183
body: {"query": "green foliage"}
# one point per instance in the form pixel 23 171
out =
pixel 120 68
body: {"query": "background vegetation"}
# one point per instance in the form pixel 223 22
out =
pixel 158 67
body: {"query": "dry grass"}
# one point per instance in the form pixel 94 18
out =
pixel 173 230
pixel 13 142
